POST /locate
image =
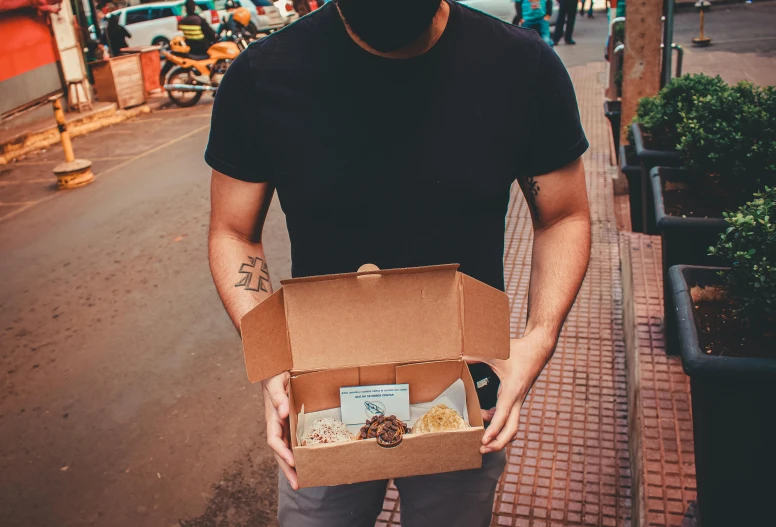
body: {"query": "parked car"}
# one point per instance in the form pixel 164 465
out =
pixel 157 23
pixel 265 17
pixel 505 9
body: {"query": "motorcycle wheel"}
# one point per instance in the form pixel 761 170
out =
pixel 183 99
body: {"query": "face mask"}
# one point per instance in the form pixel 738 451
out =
pixel 388 25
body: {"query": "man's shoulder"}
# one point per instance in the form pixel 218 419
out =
pixel 488 28
pixel 299 40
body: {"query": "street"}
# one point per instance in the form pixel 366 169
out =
pixel 125 400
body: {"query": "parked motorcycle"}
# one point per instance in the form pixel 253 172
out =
pixel 186 77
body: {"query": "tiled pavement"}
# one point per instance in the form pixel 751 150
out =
pixel 570 464
pixel 662 424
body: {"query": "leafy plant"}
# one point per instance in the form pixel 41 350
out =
pixel 748 247
pixel 660 116
pixel 732 136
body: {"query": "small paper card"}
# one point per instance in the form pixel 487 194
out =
pixel 360 403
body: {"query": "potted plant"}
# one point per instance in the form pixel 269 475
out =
pixel 629 165
pixel 726 138
pixel 726 319
pixel 655 131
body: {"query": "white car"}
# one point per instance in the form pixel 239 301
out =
pixel 505 9
pixel 148 25
pixel 265 17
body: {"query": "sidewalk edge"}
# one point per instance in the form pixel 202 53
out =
pixel 26 143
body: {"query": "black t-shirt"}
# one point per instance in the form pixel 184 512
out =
pixel 398 163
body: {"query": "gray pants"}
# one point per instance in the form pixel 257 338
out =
pixel 463 498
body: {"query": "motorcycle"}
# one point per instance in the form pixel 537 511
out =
pixel 193 75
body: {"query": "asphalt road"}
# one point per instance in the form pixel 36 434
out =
pixel 124 399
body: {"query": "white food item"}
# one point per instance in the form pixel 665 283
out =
pixel 326 430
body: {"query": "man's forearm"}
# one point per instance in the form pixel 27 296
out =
pixel 559 261
pixel 240 272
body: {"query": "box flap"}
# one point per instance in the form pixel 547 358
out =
pixel 375 317
pixel 485 320
pixel 265 338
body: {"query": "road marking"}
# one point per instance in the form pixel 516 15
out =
pixel 13 203
pixel 736 40
pixel 56 162
pixel 109 170
pixel 51 180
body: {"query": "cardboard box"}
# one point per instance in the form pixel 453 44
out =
pixel 378 327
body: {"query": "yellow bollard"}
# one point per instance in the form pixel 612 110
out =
pixel 702 40
pixel 73 173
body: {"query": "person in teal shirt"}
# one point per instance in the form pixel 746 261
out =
pixel 535 14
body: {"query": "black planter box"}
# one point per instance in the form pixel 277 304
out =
pixel 734 418
pixel 684 241
pixel 629 164
pixel 613 112
pixel 650 159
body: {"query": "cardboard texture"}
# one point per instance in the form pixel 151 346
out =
pixel 378 327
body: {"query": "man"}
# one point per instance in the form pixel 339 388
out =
pixel 535 14
pixel 235 21
pixel 417 143
pixel 567 15
pixel 199 35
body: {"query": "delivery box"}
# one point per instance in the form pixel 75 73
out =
pixel 378 327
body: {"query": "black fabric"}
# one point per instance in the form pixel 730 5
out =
pixel 398 163
pixel 116 37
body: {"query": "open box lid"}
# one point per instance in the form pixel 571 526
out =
pixel 374 317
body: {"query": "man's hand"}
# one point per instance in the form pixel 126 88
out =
pixel 528 355
pixel 276 408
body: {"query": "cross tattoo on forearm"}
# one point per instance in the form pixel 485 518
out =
pixel 254 278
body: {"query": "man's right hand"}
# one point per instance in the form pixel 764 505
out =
pixel 276 408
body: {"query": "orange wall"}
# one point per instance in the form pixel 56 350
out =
pixel 26 43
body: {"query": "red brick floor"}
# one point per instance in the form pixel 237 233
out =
pixel 570 465
pixel 664 420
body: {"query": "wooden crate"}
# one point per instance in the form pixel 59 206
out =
pixel 151 65
pixel 120 80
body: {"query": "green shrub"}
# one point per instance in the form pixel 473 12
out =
pixel 660 116
pixel 748 247
pixel 732 135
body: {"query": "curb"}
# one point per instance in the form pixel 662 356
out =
pixel 27 142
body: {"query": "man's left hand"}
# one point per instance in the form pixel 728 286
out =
pixel 528 355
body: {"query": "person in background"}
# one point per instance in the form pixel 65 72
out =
pixel 199 35
pixel 535 14
pixel 116 36
pixel 567 15
pixel 582 9
pixel 235 21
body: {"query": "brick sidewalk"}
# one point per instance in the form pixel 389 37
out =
pixel 570 464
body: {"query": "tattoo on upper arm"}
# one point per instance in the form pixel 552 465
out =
pixel 531 192
pixel 255 277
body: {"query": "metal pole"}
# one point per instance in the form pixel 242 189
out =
pixel 668 41
pixel 702 39
pixel 64 136
pixel 73 172
pixel 679 58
